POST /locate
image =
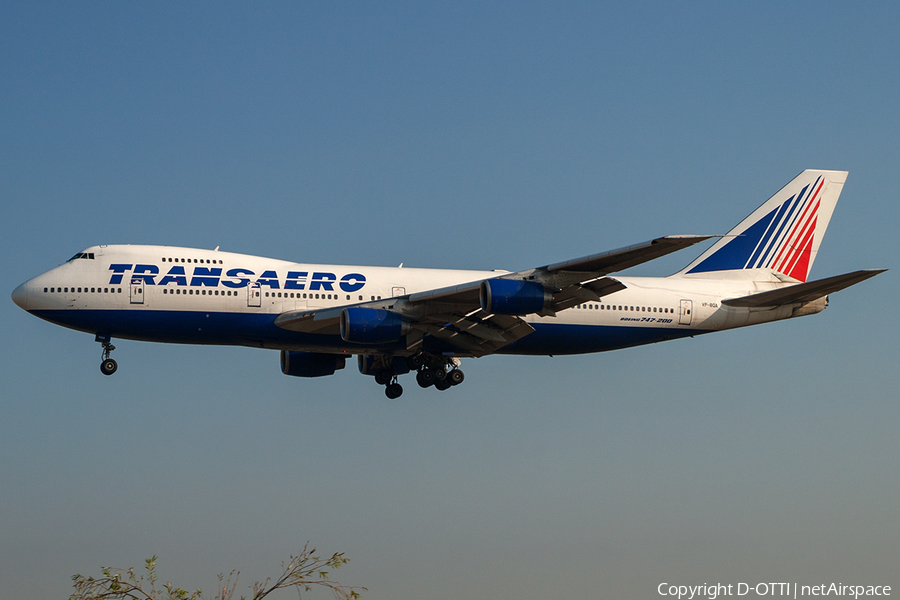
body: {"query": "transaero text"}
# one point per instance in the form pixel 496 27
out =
pixel 711 591
pixel 236 278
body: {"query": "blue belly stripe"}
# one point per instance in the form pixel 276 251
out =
pixel 259 330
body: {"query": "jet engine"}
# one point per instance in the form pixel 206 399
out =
pixel 371 326
pixel 513 297
pixel 310 364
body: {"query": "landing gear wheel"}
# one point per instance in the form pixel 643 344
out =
pixel 443 384
pixel 456 377
pixel 384 376
pixel 440 373
pixel 415 361
pixel 393 391
pixel 108 366
pixel 425 378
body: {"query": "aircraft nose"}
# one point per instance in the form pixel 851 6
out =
pixel 20 296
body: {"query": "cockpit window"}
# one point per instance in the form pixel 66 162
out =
pixel 87 255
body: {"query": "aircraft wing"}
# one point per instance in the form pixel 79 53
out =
pixel 803 292
pixel 567 277
pixel 455 314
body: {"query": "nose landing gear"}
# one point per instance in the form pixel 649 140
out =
pixel 108 366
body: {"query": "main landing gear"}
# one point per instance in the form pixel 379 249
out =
pixel 108 366
pixel 438 371
pixel 440 377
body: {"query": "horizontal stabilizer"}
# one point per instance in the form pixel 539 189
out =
pixel 803 292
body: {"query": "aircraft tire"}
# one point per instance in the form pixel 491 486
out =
pixel 440 373
pixel 456 377
pixel 425 378
pixel 383 377
pixel 108 366
pixel 442 384
pixel 393 391
pixel 415 361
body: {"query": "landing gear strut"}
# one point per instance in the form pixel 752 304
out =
pixel 108 366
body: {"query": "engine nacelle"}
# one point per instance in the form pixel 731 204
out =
pixel 371 326
pixel 513 297
pixel 310 364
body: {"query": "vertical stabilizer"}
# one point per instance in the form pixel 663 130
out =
pixel 782 236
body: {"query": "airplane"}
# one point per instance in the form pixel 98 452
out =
pixel 401 320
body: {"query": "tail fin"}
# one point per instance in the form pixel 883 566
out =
pixel 780 237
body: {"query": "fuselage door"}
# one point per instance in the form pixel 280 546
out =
pixel 254 295
pixel 398 291
pixel 684 314
pixel 137 291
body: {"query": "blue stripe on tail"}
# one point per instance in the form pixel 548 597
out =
pixel 734 254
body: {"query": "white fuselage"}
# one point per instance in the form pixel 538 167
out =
pixel 184 295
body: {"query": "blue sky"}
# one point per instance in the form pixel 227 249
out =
pixel 466 135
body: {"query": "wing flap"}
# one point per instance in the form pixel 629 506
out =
pixel 803 292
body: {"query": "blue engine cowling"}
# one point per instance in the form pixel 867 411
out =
pixel 371 326
pixel 513 297
pixel 310 364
